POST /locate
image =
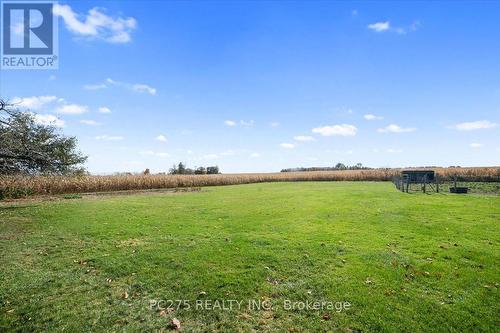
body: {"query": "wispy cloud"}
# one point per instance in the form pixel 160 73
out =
pixel 393 128
pixel 106 137
pixel 394 151
pixel 137 87
pixel 33 102
pixel 246 123
pixel 161 138
pixel 385 26
pixel 144 88
pixel 90 122
pixel 228 152
pixel 95 86
pixel 372 117
pixel 72 109
pixel 48 119
pixel 380 26
pixel 474 125
pixel 287 145
pixel 304 138
pixel 404 30
pixel 156 154
pixel 476 145
pixel 274 124
pixel 96 24
pixel 254 155
pixel 336 130
pixel 210 156
pixel 104 109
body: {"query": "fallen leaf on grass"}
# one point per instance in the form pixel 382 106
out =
pixel 175 324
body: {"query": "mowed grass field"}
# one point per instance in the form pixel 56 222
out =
pixel 404 262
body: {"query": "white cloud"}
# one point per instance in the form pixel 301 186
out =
pixel 156 154
pixel 404 30
pixel 72 109
pixel 332 130
pixel 161 138
pixel 287 145
pixel 90 122
pixel 144 88
pixel 394 151
pixel 229 152
pixel 104 109
pixel 247 123
pixel 96 24
pixel 254 155
pixel 380 26
pixel 372 117
pixel 48 119
pixel 106 137
pixel 94 86
pixel 393 128
pixel 386 26
pixel 274 124
pixel 34 102
pixel 476 145
pixel 304 138
pixel 474 125
pixel 137 87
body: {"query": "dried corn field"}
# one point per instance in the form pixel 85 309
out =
pixel 18 186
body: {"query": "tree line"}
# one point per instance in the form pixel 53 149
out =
pixel 181 169
pixel 338 166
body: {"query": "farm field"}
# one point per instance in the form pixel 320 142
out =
pixel 394 261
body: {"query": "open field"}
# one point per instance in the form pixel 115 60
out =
pixel 14 187
pixel 404 262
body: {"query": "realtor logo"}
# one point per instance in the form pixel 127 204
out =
pixel 29 35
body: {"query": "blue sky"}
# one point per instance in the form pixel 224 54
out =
pixel 261 86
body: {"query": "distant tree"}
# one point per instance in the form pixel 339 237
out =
pixel 146 172
pixel 173 170
pixel 29 147
pixel 212 170
pixel 340 166
pixel 181 168
pixel 200 171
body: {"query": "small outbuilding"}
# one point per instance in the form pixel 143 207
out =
pixel 418 176
pixel 424 178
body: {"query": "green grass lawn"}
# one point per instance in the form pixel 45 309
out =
pixel 404 262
